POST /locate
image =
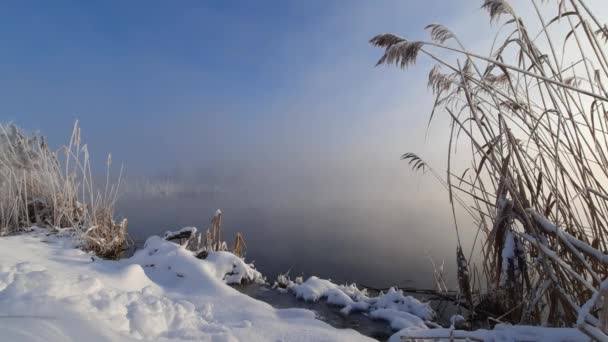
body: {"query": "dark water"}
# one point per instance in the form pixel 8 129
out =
pixel 374 243
pixel 377 329
pixel 368 243
pixel 361 322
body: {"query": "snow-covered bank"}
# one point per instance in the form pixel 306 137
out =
pixel 412 318
pixel 50 291
pixel 394 306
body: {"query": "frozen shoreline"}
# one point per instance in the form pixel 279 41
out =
pixel 51 291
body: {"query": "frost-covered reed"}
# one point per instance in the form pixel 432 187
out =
pixel 533 116
pixel 55 189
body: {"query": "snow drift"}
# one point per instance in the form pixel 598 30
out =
pixel 50 291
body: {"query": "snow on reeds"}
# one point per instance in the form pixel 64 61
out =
pixel 533 114
pixel 55 189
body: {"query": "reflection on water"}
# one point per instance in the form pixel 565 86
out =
pixel 371 245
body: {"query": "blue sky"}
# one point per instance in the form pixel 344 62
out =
pixel 279 95
pixel 184 81
pixel 170 84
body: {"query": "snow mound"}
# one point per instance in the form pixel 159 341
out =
pixel 399 310
pixel 50 291
pixel 395 300
pixel 161 258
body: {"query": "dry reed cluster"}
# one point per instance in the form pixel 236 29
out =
pixel 211 241
pixel 213 238
pixel 533 115
pixel 56 190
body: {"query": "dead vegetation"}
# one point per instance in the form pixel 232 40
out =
pixel 533 115
pixel 55 189
pixel 210 241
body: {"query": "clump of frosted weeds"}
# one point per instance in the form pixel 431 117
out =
pixel 55 189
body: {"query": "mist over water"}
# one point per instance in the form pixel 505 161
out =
pixel 296 137
pixel 365 224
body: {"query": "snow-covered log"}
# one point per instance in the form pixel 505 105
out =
pixel 182 236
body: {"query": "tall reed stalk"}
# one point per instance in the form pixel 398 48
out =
pixel 534 115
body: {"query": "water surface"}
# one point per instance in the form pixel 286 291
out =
pixel 368 243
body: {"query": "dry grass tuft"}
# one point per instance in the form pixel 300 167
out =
pixel 210 241
pixel 55 189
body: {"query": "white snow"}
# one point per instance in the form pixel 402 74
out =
pixel 399 319
pixel 501 332
pixel 192 231
pixel 50 291
pixel 508 251
pixel 412 318
pixel 399 310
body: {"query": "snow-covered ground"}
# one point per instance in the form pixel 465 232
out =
pixel 500 333
pixel 50 291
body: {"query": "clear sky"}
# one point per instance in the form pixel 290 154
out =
pixel 190 81
pixel 164 84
